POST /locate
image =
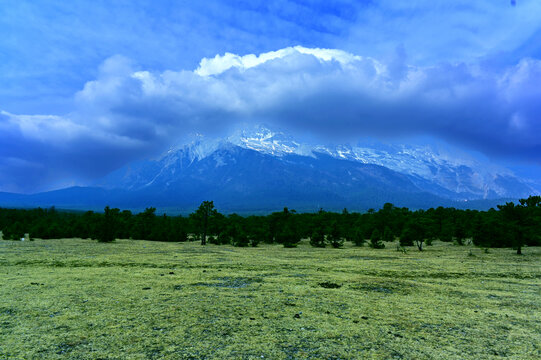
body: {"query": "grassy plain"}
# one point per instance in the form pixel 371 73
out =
pixel 78 299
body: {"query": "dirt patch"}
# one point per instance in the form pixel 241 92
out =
pixel 329 285
pixel 230 282
pixel 384 287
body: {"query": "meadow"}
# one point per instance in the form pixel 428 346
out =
pixel 79 299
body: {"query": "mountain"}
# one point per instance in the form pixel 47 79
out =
pixel 262 170
pixel 464 176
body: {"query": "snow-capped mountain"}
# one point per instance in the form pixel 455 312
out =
pixel 261 170
pixel 394 168
pixel 444 171
pixel 452 169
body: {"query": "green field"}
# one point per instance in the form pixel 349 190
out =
pixel 78 299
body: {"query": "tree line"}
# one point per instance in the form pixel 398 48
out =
pixel 510 225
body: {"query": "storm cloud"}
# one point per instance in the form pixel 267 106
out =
pixel 127 112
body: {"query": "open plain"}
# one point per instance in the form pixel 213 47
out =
pixel 79 299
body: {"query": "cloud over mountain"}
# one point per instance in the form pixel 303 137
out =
pixel 127 112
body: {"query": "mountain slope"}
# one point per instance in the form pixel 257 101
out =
pixel 261 171
pixel 443 172
pixel 243 179
pixel 462 174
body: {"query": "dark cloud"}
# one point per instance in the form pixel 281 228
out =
pixel 127 114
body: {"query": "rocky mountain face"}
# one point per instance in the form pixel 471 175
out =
pixel 262 170
pixel 459 173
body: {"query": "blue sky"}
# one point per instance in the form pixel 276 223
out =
pixel 87 86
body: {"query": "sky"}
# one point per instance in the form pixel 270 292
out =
pixel 89 86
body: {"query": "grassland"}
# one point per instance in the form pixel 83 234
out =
pixel 79 299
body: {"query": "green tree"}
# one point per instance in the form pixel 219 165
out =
pixel 239 237
pixel 447 231
pixel 108 226
pixel 334 237
pixel 407 237
pixel 357 236
pixel 288 236
pixel 388 234
pixel 414 232
pixel 203 217
pixel 522 219
pixel 144 224
pixel 317 239
pixel 460 233
pixel 376 240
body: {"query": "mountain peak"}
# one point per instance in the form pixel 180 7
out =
pixel 434 168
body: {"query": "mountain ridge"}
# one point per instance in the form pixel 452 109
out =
pixel 458 178
pixel 261 170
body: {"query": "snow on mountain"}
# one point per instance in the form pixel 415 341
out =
pixel 450 168
pixel 437 169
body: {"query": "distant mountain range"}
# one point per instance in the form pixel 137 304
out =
pixel 262 170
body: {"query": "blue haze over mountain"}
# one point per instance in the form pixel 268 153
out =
pixel 261 170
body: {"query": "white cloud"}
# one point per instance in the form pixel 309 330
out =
pixel 220 64
pixel 327 92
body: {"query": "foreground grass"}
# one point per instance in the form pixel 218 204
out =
pixel 79 299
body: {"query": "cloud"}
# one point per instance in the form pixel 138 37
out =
pixel 127 113
pixel 435 31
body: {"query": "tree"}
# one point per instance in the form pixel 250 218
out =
pixel 284 226
pixel 108 226
pixel 407 236
pixel 447 231
pixel 239 237
pixel 357 236
pixel 488 231
pixel 388 234
pixel 522 219
pixel 144 224
pixel 460 233
pixel 203 217
pixel 414 232
pixel 335 237
pixel 375 240
pixel 318 237
pixel 177 230
pixel 288 236
pixel 223 238
pixel 258 230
